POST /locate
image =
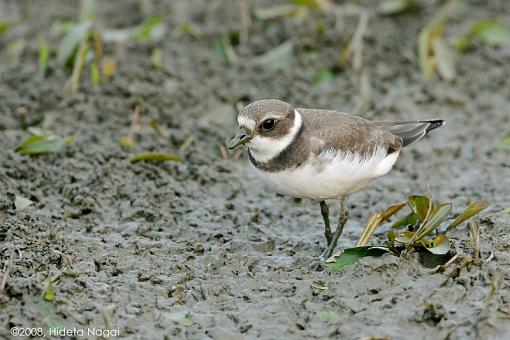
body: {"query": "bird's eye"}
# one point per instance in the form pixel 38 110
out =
pixel 268 124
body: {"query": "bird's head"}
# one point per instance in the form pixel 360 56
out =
pixel 266 127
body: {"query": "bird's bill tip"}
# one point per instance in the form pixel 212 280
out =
pixel 241 138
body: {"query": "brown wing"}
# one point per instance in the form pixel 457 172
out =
pixel 346 132
pixel 413 131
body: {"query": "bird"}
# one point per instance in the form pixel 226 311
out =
pixel 321 154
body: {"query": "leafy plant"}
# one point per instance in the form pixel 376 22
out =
pixel 425 218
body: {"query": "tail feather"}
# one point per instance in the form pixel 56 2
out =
pixel 411 132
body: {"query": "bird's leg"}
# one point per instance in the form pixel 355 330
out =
pixel 325 216
pixel 344 216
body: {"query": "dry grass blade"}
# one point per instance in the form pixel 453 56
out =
pixel 495 281
pixel 154 156
pixel 442 267
pixel 153 122
pixel 44 54
pixel 431 32
pixel 108 67
pixel 445 58
pixel 78 66
pixel 187 143
pixel 375 220
pixel 7 270
pixel 392 210
pixel 474 238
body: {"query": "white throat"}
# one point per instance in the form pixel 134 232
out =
pixel 264 149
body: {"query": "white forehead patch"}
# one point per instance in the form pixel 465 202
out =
pixel 246 122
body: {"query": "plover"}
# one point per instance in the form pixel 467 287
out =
pixel 321 154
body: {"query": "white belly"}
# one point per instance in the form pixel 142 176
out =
pixel 328 175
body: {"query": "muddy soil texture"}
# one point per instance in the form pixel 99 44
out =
pixel 197 248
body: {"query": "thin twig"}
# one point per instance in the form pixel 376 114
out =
pixel 355 47
pixel 244 12
pixel 223 151
pixel 456 271
pixel 7 270
pixel 443 267
pixel 237 154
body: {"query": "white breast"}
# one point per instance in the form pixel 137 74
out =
pixel 330 174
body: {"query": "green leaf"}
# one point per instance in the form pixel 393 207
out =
pixel 391 237
pixel 49 294
pixel 410 219
pixel 95 76
pixel 39 144
pixel 44 54
pixel 405 237
pixel 436 218
pixel 71 40
pixel 473 209
pixel 181 318
pixel 389 7
pixel 439 246
pixel 21 202
pixel 504 144
pixel 154 156
pixel 148 28
pixel 491 32
pixel 352 255
pixel 419 205
pixel 323 76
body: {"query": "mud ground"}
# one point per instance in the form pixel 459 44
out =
pixel 198 249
